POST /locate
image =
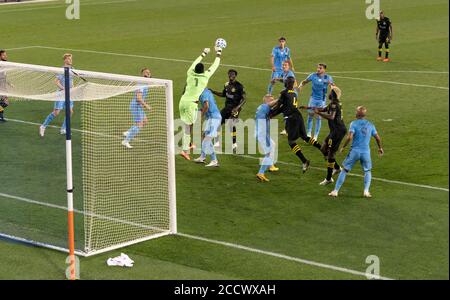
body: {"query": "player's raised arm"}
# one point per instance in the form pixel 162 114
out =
pixel 216 63
pixel 198 60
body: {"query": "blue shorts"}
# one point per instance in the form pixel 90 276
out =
pixel 316 103
pixel 277 74
pixel 354 156
pixel 212 125
pixel 60 105
pixel 138 113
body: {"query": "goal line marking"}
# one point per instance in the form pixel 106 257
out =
pixel 212 241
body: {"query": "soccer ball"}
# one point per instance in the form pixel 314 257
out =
pixel 221 43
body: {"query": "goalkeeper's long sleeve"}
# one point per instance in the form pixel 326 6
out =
pixel 213 68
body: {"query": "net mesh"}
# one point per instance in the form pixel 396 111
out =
pixel 121 195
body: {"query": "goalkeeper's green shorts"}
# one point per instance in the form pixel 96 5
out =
pixel 188 112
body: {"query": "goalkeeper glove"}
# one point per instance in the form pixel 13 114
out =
pixel 205 52
pixel 218 51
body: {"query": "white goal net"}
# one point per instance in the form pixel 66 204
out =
pixel 122 195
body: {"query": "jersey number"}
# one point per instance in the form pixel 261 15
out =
pixel 295 102
pixel 196 82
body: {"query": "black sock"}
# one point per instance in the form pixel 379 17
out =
pixel 298 151
pixel 337 166
pixel 387 53
pixel 1 115
pixel 380 51
pixel 330 167
pixel 233 134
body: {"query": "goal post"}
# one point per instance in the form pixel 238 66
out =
pixel 119 195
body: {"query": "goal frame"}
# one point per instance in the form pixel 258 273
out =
pixel 168 84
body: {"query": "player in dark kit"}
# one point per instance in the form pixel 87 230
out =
pixel 234 94
pixel 333 113
pixel 3 99
pixel 384 35
pixel 295 126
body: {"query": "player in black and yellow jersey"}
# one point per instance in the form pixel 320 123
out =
pixel 295 126
pixel 234 94
pixel 333 113
pixel 384 36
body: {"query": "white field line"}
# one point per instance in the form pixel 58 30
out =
pixel 359 175
pixel 26 2
pixel 238 66
pixel 391 71
pixel 256 158
pixel 63 6
pixel 226 244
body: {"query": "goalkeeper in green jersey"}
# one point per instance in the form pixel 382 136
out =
pixel 196 82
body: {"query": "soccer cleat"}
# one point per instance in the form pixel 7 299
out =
pixel 305 166
pixel 262 178
pixel 379 58
pixel 41 131
pixel 283 132
pixel 126 144
pixel 213 163
pixel 234 146
pixel 367 194
pixel 336 171
pixel 273 168
pixel 199 160
pixel 62 131
pixel 185 155
pixel 333 193
pixel 386 60
pixel 125 133
pixel 326 182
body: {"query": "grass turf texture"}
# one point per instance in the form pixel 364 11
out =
pixel 407 227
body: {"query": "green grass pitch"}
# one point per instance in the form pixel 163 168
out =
pixel 406 226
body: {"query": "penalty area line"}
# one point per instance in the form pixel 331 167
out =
pixel 239 66
pixel 207 240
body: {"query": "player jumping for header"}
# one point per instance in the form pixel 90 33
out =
pixel 360 132
pixel 196 82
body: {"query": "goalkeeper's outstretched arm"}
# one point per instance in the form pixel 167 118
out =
pixel 216 63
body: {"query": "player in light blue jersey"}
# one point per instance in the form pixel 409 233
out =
pixel 137 106
pixel 262 134
pixel 320 82
pixel 360 133
pixel 59 105
pixel 280 54
pixel 213 121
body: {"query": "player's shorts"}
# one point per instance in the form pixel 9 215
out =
pixel 334 139
pixel 188 112
pixel 138 113
pixel 277 74
pixel 262 134
pixel 354 156
pixel 295 127
pixel 211 127
pixel 316 103
pixel 60 105
pixel 226 114
pixel 383 39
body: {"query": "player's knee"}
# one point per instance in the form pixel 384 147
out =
pixel 56 112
